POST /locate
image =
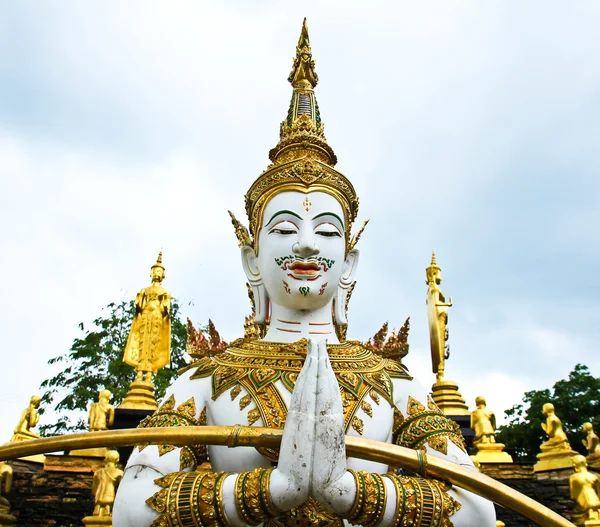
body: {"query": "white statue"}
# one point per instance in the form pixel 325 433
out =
pixel 300 265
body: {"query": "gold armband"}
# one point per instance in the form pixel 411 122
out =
pixel 420 502
pixel 253 497
pixel 189 499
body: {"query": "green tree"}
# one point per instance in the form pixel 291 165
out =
pixel 575 401
pixel 95 361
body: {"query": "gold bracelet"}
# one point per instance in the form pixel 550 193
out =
pixel 265 493
pixel 253 496
pixel 358 505
pixel 422 502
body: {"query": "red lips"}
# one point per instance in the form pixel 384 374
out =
pixel 308 268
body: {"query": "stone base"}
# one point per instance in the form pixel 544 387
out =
pixel 140 396
pixel 554 460
pixel 446 395
pixel 97 521
pixel 491 453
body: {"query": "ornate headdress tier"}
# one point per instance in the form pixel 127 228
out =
pixel 302 159
pixel 159 262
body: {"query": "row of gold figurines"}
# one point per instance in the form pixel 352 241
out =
pixel 106 478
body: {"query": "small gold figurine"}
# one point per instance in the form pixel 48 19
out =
pixel 29 418
pixel 102 413
pixel 149 344
pixel 585 491
pixel 483 423
pixel 591 443
pixel 104 487
pixel 557 439
pixel 445 392
pixel 100 417
pixel 555 453
pixel 6 477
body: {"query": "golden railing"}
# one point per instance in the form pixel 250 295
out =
pixel 232 436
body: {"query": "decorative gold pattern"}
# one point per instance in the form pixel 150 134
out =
pixel 235 391
pixel 422 502
pixel 309 514
pixel 256 366
pixel 252 496
pixel 241 232
pixel 419 502
pixel 426 426
pixel 396 345
pixel 167 416
pixel 189 499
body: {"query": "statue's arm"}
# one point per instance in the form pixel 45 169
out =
pixel 443 440
pixel 153 481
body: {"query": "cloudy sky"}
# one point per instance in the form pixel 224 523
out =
pixel 469 127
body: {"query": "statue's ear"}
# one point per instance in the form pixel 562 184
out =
pixel 346 280
pixel 261 300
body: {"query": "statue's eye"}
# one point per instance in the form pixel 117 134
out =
pixel 285 232
pixel 285 228
pixel 327 230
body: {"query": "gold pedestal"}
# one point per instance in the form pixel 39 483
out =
pixel 554 460
pixel 593 461
pixel 97 521
pixel 140 396
pixel 446 395
pixel 592 523
pixel 500 523
pixel 89 452
pixel 27 436
pixel 492 453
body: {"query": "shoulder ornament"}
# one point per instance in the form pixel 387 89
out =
pixel 184 415
pixel 426 426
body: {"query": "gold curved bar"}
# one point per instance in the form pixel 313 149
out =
pixel 462 477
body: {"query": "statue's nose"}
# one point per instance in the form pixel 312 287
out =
pixel 305 246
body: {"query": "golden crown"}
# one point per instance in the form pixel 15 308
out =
pixel 302 159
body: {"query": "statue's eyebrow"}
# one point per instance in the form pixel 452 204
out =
pixel 283 212
pixel 329 214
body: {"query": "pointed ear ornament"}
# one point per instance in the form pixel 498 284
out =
pixel 241 232
pixel 354 240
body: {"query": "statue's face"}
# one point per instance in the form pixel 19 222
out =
pixel 157 274
pixel 301 249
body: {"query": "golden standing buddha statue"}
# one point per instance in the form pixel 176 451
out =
pixel 149 344
pixel 298 372
pixel 445 391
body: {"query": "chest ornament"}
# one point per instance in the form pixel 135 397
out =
pixel 257 366
pixel 184 415
pixel 426 426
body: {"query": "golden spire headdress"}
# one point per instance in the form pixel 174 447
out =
pixel 432 269
pixel 159 262
pixel 302 160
